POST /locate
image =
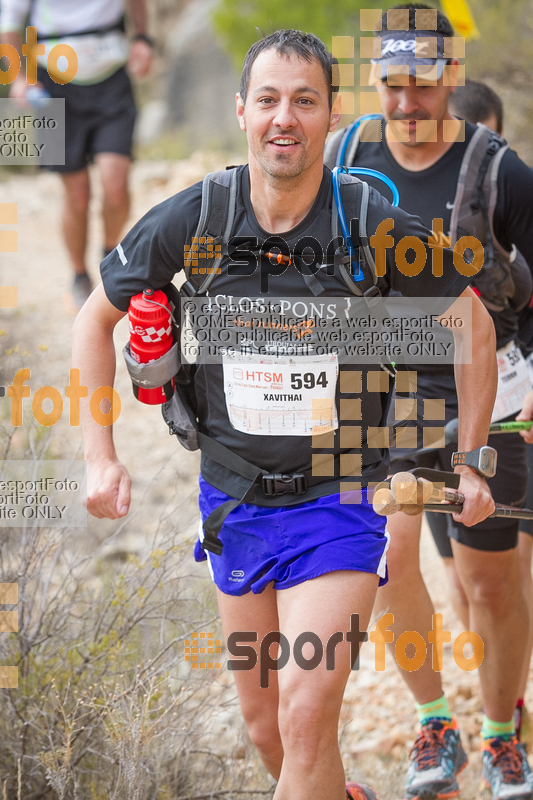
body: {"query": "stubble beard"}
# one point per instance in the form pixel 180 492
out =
pixel 281 166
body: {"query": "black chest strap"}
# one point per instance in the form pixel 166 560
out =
pixel 271 484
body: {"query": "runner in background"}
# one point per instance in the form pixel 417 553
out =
pixel 477 102
pixel 99 106
pixel 425 163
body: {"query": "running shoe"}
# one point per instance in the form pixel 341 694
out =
pixel 360 791
pixel 524 730
pixel 81 289
pixel 506 771
pixel 437 757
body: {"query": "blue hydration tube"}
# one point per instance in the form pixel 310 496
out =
pixel 357 273
pixel 348 133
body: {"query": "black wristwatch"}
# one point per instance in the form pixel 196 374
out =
pixel 482 460
pixel 143 37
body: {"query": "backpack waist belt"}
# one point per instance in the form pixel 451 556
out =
pixel 271 484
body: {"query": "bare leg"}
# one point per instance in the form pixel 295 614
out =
pixel 114 171
pixel 310 700
pixel 294 722
pixel 525 547
pixel 406 596
pixel 499 615
pixel 457 592
pixel 75 217
pixel 259 707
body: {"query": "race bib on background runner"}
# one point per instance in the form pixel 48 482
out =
pixel 513 382
pixel 99 55
pixel 281 395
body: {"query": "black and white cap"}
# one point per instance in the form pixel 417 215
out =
pixel 412 52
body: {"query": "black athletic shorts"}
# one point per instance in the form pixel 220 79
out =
pixel 508 485
pixel 99 118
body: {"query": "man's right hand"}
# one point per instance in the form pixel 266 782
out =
pixel 108 489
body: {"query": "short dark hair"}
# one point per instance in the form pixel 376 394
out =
pixel 306 46
pixel 444 26
pixel 475 101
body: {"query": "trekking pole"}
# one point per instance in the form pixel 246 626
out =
pixel 451 431
pixel 408 488
pixel 414 495
pixel 511 427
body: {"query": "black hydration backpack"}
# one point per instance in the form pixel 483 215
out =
pixel 214 232
pixel 219 193
pixel 505 279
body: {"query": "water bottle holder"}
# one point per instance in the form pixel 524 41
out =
pixel 155 373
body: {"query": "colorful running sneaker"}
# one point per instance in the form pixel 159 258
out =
pixel 437 757
pixel 360 791
pixel 506 771
pixel 524 729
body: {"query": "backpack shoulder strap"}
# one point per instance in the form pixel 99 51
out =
pixel 346 139
pixel 493 193
pixel 519 268
pixel 217 213
pixel 332 148
pixel 473 186
pixel 353 144
pixel 354 197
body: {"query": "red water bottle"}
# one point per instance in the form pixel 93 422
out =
pixel 150 324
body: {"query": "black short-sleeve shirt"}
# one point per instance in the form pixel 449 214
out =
pixel 430 193
pixel 153 252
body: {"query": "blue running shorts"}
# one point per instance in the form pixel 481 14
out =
pixel 292 544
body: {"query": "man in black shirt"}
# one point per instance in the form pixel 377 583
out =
pixel 477 102
pixel 306 565
pixel 422 157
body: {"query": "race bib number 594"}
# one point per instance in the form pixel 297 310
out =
pixel 281 396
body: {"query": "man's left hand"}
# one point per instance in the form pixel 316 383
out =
pixel 478 503
pixel 140 59
pixel 525 415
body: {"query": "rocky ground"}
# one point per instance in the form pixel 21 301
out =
pixel 378 721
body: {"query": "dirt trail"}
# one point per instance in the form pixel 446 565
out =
pixel 378 713
pixel 38 334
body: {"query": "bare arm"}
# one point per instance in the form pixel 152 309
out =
pixel 19 85
pixel 93 353
pixel 476 390
pixel 137 13
pixel 14 38
pixel 141 55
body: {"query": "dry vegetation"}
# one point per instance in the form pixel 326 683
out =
pixel 106 705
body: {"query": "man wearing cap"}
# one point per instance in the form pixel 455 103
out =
pixel 422 150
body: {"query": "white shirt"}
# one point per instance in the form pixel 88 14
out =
pixel 60 16
pixel 99 56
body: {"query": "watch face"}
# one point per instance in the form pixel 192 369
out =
pixel 487 461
